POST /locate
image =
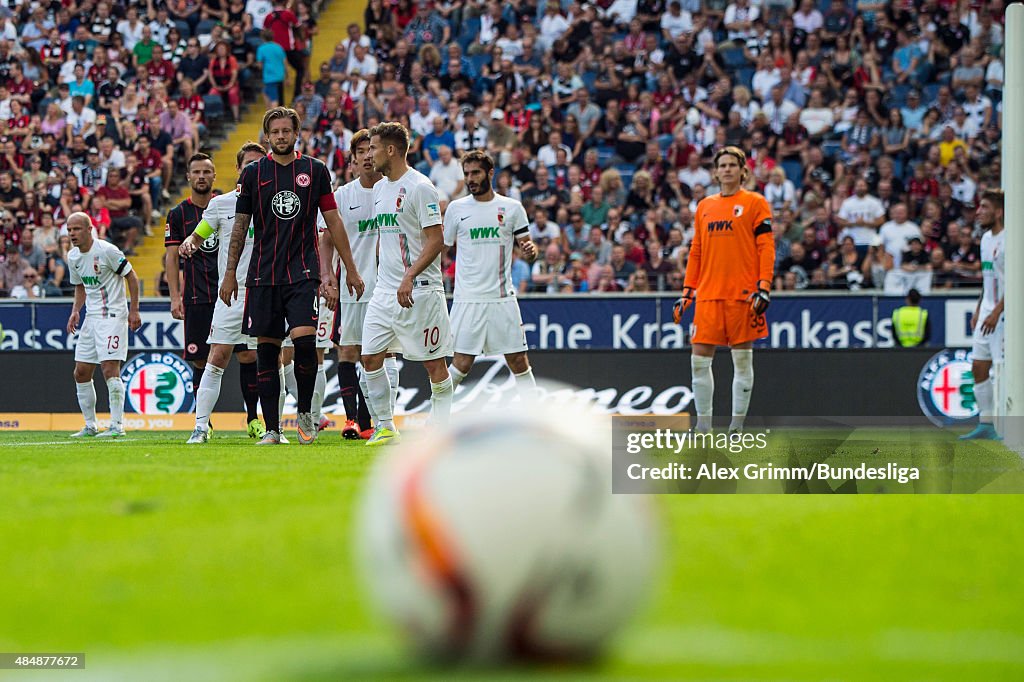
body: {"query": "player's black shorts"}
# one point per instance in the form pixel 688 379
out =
pixel 198 320
pixel 272 311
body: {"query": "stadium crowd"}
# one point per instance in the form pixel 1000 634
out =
pixel 101 103
pixel 871 127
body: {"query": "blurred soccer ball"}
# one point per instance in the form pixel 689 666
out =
pixel 498 538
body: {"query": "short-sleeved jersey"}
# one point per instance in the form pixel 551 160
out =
pixel 283 202
pixel 355 204
pixel 201 272
pixel 402 209
pixel 733 248
pixel 101 270
pixel 993 268
pixel 220 215
pixel 484 232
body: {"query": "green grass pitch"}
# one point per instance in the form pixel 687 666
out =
pixel 229 562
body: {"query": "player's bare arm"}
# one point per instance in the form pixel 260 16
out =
pixel 76 308
pixel 134 318
pixel 988 325
pixel 174 282
pixel 528 248
pixel 336 228
pixel 229 287
pixel 328 283
pixel 433 243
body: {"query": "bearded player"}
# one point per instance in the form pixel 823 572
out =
pixel 226 329
pixel 728 275
pixel 281 194
pixel 484 227
pixel 987 321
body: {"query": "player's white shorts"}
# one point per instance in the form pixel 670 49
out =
pixel 323 328
pixel 987 346
pixel 226 328
pixel 423 331
pixel 488 328
pixel 101 339
pixel 351 316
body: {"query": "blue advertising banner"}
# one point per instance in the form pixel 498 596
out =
pixel 616 322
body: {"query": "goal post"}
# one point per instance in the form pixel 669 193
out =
pixel 1012 381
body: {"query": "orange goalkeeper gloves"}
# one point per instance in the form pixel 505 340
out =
pixel 682 304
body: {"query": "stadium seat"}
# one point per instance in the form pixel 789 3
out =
pixel 929 93
pixel 831 148
pixel 898 94
pixel 604 155
pixel 205 26
pixel 183 28
pixel 470 29
pixel 479 61
pixel 744 76
pixel 794 171
pixel 214 109
pixel 734 58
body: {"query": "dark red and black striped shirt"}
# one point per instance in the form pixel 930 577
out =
pixel 283 202
pixel 201 271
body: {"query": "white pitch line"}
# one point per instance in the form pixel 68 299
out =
pixel 69 441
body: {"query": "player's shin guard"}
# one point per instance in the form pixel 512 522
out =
pixel 349 384
pixel 703 389
pixel 250 389
pixel 209 391
pixel 305 372
pixel 87 401
pixel 391 366
pixel 456 376
pixel 319 388
pixel 742 385
pixel 441 400
pixel 268 379
pixel 378 390
pixel 115 392
pixel 983 393
pixel 526 385
pixel 364 403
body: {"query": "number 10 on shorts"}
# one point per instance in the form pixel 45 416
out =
pixel 431 336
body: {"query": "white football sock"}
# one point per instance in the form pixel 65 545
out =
pixel 282 395
pixel 289 380
pixel 703 389
pixel 456 376
pixel 983 394
pixel 207 395
pixel 391 366
pixel 378 393
pixel 115 392
pixel 742 384
pixel 87 401
pixel 366 396
pixel 319 388
pixel 526 385
pixel 441 401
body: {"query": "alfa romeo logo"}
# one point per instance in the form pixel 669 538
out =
pixel 211 243
pixel 286 204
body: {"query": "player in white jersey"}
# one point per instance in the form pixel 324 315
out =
pixel 987 321
pixel 355 204
pixel 226 329
pixel 408 304
pixel 484 227
pixel 98 271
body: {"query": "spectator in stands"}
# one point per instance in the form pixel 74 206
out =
pixel 271 57
pixel 446 174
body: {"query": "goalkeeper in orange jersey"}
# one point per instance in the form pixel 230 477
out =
pixel 729 276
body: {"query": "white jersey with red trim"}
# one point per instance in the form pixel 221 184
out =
pixel 402 209
pixel 483 233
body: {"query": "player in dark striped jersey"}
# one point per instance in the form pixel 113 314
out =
pixel 281 195
pixel 194 295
